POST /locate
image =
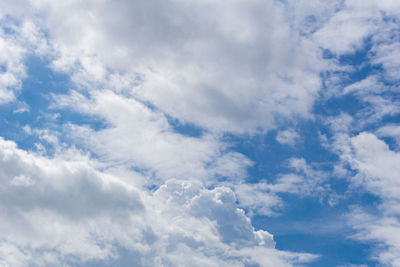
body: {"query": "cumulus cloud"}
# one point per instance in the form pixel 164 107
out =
pixel 88 215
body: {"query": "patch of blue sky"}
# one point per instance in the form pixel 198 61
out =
pixel 124 258
pixel 359 61
pixel 335 106
pixel 310 224
pixel 391 142
pixel 353 104
pixel 385 120
pixel 271 157
pixel 185 128
pixel 7 24
pixel 306 225
pixel 35 95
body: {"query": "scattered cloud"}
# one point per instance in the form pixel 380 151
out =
pixel 288 137
pixel 111 172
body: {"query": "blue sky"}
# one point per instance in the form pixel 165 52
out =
pixel 243 133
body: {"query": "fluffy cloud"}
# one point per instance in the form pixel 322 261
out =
pixel 233 67
pixel 77 205
pixel 57 211
pixel 139 137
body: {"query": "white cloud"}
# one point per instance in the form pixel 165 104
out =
pixel 288 137
pixel 347 30
pixel 304 180
pixel 377 169
pixel 12 69
pixel 258 199
pixel 232 67
pixel 139 137
pixel 22 180
pixel 391 130
pixel 356 20
pixel 21 107
pixel 377 164
pixel 377 97
pixel 386 47
pixel 75 203
pixel 17 41
pixel 369 26
pixel 369 85
pixel 88 215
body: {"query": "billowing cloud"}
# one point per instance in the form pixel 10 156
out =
pixel 57 211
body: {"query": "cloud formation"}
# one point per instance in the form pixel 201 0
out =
pixel 57 211
pixel 140 158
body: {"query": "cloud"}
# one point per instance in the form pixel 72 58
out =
pixel 235 67
pixel 378 97
pixel 392 131
pixel 365 27
pixel 288 137
pixel 139 137
pixel 89 215
pixel 76 204
pixel 377 165
pixel 18 40
pixel 169 198
pixel 347 30
pixel 12 69
pixel 302 179
pixel 376 169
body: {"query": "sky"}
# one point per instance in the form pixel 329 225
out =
pixel 200 133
